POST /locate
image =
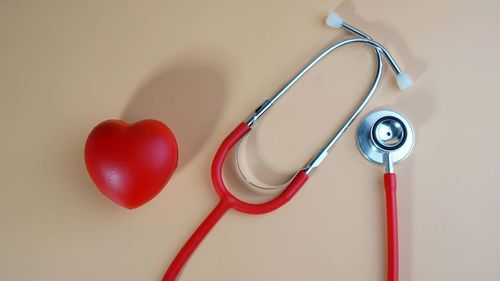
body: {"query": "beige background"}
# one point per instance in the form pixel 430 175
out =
pixel 202 67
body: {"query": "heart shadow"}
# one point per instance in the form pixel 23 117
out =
pixel 188 96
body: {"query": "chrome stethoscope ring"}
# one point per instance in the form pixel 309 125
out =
pixel 385 132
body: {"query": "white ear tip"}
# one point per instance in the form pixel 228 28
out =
pixel 334 20
pixel 404 81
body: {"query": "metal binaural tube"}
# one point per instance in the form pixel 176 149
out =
pixel 321 155
pixel 366 40
pixel 379 52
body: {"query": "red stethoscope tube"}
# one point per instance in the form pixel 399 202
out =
pixel 392 226
pixel 229 201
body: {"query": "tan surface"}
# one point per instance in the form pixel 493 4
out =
pixel 201 67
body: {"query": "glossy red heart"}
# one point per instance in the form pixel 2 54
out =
pixel 131 164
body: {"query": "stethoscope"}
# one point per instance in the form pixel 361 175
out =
pixel 229 201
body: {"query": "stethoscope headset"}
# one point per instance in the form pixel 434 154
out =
pixel 384 137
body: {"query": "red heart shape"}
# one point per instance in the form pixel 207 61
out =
pixel 131 164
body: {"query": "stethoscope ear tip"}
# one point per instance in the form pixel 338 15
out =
pixel 404 81
pixel 334 20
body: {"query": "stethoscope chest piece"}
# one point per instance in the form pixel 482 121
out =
pixel 385 132
pixel 386 137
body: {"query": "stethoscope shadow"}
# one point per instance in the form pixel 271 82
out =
pixel 257 168
pixel 389 37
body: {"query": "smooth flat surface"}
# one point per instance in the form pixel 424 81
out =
pixel 202 67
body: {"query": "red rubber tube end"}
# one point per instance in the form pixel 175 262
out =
pixel 392 226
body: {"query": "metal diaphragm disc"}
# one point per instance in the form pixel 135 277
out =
pixel 384 131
